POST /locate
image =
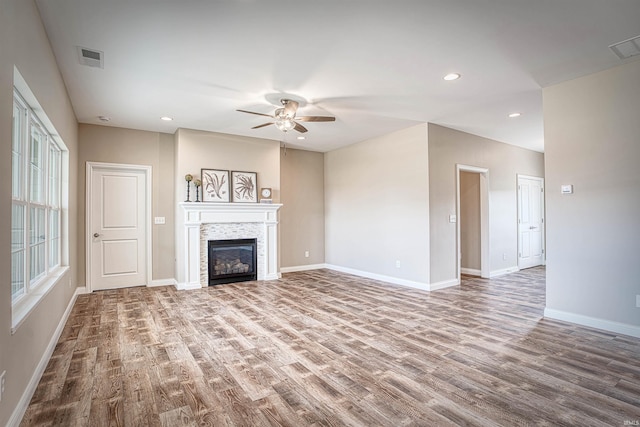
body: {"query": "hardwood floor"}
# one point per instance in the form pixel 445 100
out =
pixel 323 348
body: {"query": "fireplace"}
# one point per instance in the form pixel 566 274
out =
pixel 232 260
pixel 204 221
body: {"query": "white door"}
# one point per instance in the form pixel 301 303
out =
pixel 530 222
pixel 117 228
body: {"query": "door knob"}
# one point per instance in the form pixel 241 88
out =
pixel 530 228
pixel 96 235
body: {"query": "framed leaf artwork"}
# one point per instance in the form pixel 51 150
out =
pixel 244 187
pixel 215 185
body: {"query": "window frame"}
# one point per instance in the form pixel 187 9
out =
pixel 40 265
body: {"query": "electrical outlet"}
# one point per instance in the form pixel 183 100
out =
pixel 504 257
pixel 398 264
pixel 306 254
pixel 2 384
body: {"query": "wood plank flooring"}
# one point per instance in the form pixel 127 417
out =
pixel 323 348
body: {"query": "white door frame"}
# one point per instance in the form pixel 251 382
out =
pixel 543 225
pixel 484 219
pixel 91 167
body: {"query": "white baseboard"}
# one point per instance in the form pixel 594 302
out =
pixel 23 403
pixel 593 322
pixel 302 268
pixel 382 278
pixel 187 286
pixel 162 282
pixel 470 271
pixel 443 284
pixel 498 273
pixel 396 281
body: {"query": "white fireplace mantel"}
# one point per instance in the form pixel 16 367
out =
pixel 263 218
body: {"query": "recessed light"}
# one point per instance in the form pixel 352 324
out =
pixel 452 76
pixel 514 115
pixel 301 137
pixel 166 118
pixel 104 118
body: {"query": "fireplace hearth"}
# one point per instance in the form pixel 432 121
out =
pixel 232 261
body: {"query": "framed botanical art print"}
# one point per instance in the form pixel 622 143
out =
pixel 215 185
pixel 244 187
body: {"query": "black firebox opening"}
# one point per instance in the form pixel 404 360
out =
pixel 232 261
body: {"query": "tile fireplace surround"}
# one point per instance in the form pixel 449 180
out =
pixel 205 221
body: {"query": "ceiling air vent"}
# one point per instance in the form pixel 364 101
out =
pixel 91 57
pixel 627 49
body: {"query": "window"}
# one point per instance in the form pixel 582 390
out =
pixel 36 161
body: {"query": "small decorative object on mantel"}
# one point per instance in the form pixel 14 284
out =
pixel 188 177
pixel 215 185
pixel 265 195
pixel 197 184
pixel 244 186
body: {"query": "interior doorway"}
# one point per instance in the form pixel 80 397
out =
pixel 530 221
pixel 470 223
pixel 472 216
pixel 118 233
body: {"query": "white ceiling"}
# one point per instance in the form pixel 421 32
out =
pixel 377 66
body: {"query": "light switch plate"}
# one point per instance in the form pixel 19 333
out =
pixel 159 220
pixel 453 218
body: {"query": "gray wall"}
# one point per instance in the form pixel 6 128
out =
pixel 24 43
pixel 448 147
pixel 470 220
pixel 592 140
pixel 377 205
pixel 302 213
pixel 117 145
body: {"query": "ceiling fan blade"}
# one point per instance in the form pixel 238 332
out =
pixel 300 128
pixel 262 125
pixel 316 119
pixel 258 114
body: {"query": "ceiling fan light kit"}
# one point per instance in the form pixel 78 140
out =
pixel 285 124
pixel 285 119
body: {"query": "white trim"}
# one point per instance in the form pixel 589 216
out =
pixel 383 278
pixel 302 268
pixel 394 280
pixel 188 286
pixel 23 403
pixel 529 177
pixel 147 229
pixel 504 271
pixel 593 322
pixel 485 249
pixel 21 310
pixel 470 271
pixel 163 282
pixel 444 284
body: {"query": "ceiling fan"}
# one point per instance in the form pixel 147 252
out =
pixel 285 117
